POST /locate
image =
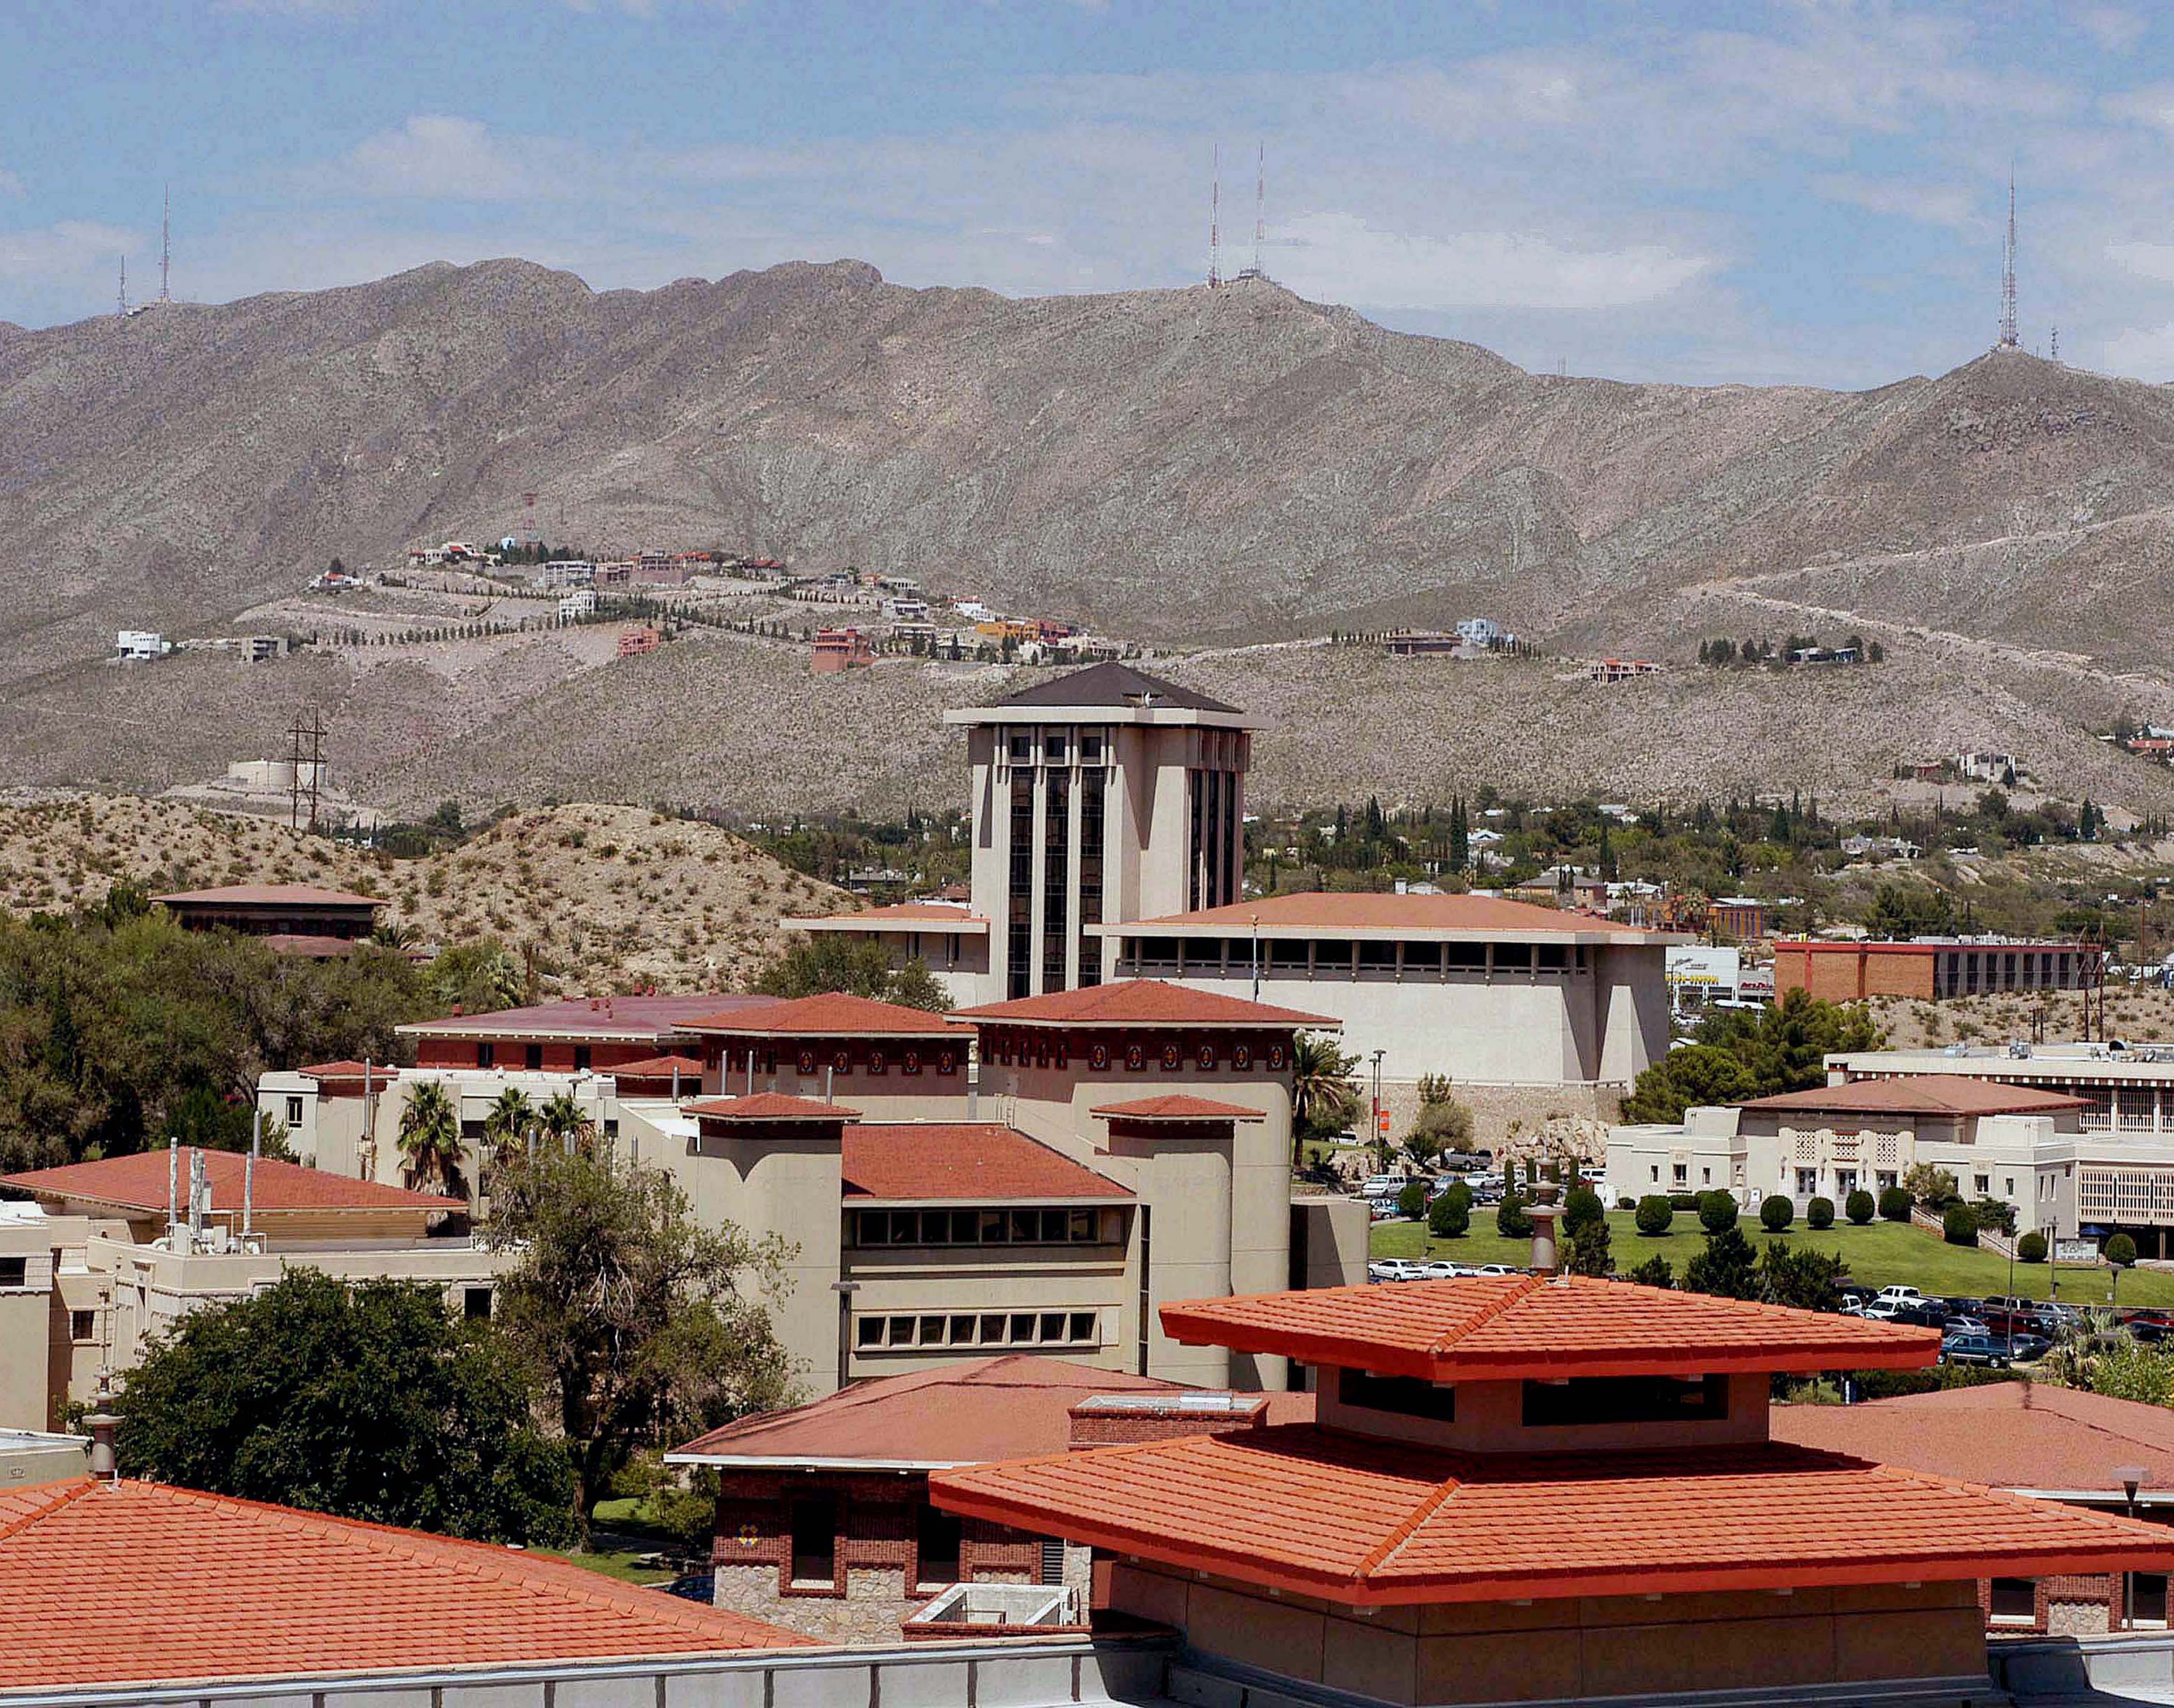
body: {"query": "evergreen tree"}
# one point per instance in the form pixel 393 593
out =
pixel 1726 1268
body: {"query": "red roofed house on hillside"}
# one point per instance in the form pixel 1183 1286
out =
pixel 98 1257
pixel 1535 1487
pixel 295 918
pixel 824 1523
pixel 1108 815
pixel 2030 1438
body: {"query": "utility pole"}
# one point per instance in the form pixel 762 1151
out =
pixel 308 765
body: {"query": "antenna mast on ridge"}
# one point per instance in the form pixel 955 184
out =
pixel 1260 202
pixel 2007 337
pixel 165 240
pixel 123 309
pixel 1215 222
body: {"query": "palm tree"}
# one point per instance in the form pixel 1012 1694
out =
pixel 510 1125
pixel 564 1120
pixel 1321 1091
pixel 431 1141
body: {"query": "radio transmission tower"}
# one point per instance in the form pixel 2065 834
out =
pixel 123 309
pixel 1216 221
pixel 308 760
pixel 165 240
pixel 2007 337
pixel 1260 202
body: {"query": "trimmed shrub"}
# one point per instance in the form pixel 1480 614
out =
pixel 1776 1213
pixel 1654 1214
pixel 1411 1201
pixel 1450 1215
pixel 1959 1225
pixel 1582 1208
pixel 1510 1221
pixel 1860 1206
pixel 1717 1211
pixel 1655 1272
pixel 1624 1202
pixel 2030 1248
pixel 1895 1205
pixel 1820 1215
pixel 1684 1201
pixel 2120 1250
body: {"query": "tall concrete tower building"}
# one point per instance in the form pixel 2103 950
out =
pixel 1104 795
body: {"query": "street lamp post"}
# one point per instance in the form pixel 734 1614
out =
pixel 2131 1479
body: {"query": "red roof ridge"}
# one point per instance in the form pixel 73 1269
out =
pixel 1521 1287
pixel 71 1489
pixel 1387 1546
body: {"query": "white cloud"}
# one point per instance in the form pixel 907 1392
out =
pixel 2152 261
pixel 2146 351
pixel 2153 105
pixel 439 155
pixel 1340 257
pixel 69 249
pixel 2115 29
pixel 1932 204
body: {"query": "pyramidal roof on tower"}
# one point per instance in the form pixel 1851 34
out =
pixel 1114 685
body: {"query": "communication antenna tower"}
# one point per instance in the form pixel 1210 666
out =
pixel 1216 221
pixel 122 311
pixel 309 768
pixel 2008 338
pixel 165 240
pixel 1260 202
pixel 2054 349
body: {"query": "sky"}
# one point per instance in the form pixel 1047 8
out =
pixel 1810 194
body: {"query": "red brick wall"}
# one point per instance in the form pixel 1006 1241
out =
pixel 877 1527
pixel 2101 1589
pixel 1118 1428
pixel 1846 976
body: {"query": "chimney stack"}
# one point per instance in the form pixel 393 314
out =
pixel 104 1466
pixel 1544 1210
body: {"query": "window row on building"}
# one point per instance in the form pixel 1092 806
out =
pixel 1339 958
pixel 1964 972
pixel 873 1228
pixel 986 1330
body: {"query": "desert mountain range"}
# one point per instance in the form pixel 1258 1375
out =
pixel 1198 470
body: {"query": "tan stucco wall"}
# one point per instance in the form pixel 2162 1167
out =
pixel 1501 1651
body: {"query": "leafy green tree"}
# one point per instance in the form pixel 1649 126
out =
pixel 1324 1098
pixel 828 961
pixel 1655 1272
pixel 1804 1278
pixel 1819 1214
pixel 1911 910
pixel 1653 1214
pixel 430 1148
pixel 1442 1124
pixel 478 978
pixel 1510 1221
pixel 1959 1226
pixel 1450 1215
pixel 1726 1268
pixel 1895 1204
pixel 510 1125
pixel 1933 1187
pixel 1411 1200
pixel 2121 1252
pixel 644 1325
pixel 363 1399
pixel 2030 1248
pixel 563 1124
pixel 1716 1211
pixel 1776 1213
pixel 1585 1236
pixel 1693 1077
pixel 1859 1206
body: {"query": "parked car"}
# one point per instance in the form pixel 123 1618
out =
pixel 2009 1301
pixel 1441 1269
pixel 1395 1269
pixel 1902 1295
pixel 1497 1269
pixel 1979 1349
pixel 1960 1325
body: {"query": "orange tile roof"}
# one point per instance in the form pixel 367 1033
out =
pixel 1385 912
pixel 1505 1328
pixel 138 1182
pixel 138 1583
pixel 961 1415
pixel 1359 1521
pixel 657 1067
pixel 1146 1002
pixel 834 1014
pixel 1176 1106
pixel 381 1073
pixel 1924 1094
pixel 772 1105
pixel 2013 1435
pixel 965 1162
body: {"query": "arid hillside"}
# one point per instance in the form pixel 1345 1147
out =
pixel 607 898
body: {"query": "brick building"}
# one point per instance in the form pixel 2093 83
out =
pixel 1928 971
pixel 823 1522
pixel 297 919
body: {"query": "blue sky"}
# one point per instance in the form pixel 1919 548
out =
pixel 1808 192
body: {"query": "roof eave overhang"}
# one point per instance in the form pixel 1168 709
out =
pixel 1647 1579
pixel 852 1200
pixel 1146 716
pixel 861 921
pixel 1585 936
pixel 539 1034
pixel 1296 1023
pixel 801 1462
pixel 724 1028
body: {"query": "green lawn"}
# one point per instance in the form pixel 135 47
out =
pixel 608 1563
pixel 1880 1254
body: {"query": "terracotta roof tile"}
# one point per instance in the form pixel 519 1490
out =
pixel 1146 1002
pixel 658 1067
pixel 988 1408
pixel 2013 1435
pixel 1500 1328
pixel 381 1073
pixel 1177 1106
pixel 834 1014
pixel 1359 1521
pixel 138 1583
pixel 138 1182
pixel 1385 912
pixel 1924 1094
pixel 772 1105
pixel 965 1162
pixel 615 1018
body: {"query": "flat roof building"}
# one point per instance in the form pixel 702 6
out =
pixel 1930 969
pixel 293 918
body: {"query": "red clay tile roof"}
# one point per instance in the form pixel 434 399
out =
pixel 961 1415
pixel 272 895
pixel 138 1182
pixel 939 916
pixel 1358 1520
pixel 1924 1094
pixel 658 1067
pixel 834 1014
pixel 381 1073
pixel 138 1583
pixel 1375 911
pixel 609 1019
pixel 965 1162
pixel 772 1105
pixel 1146 1002
pixel 1177 1106
pixel 1496 1328
pixel 2013 1434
